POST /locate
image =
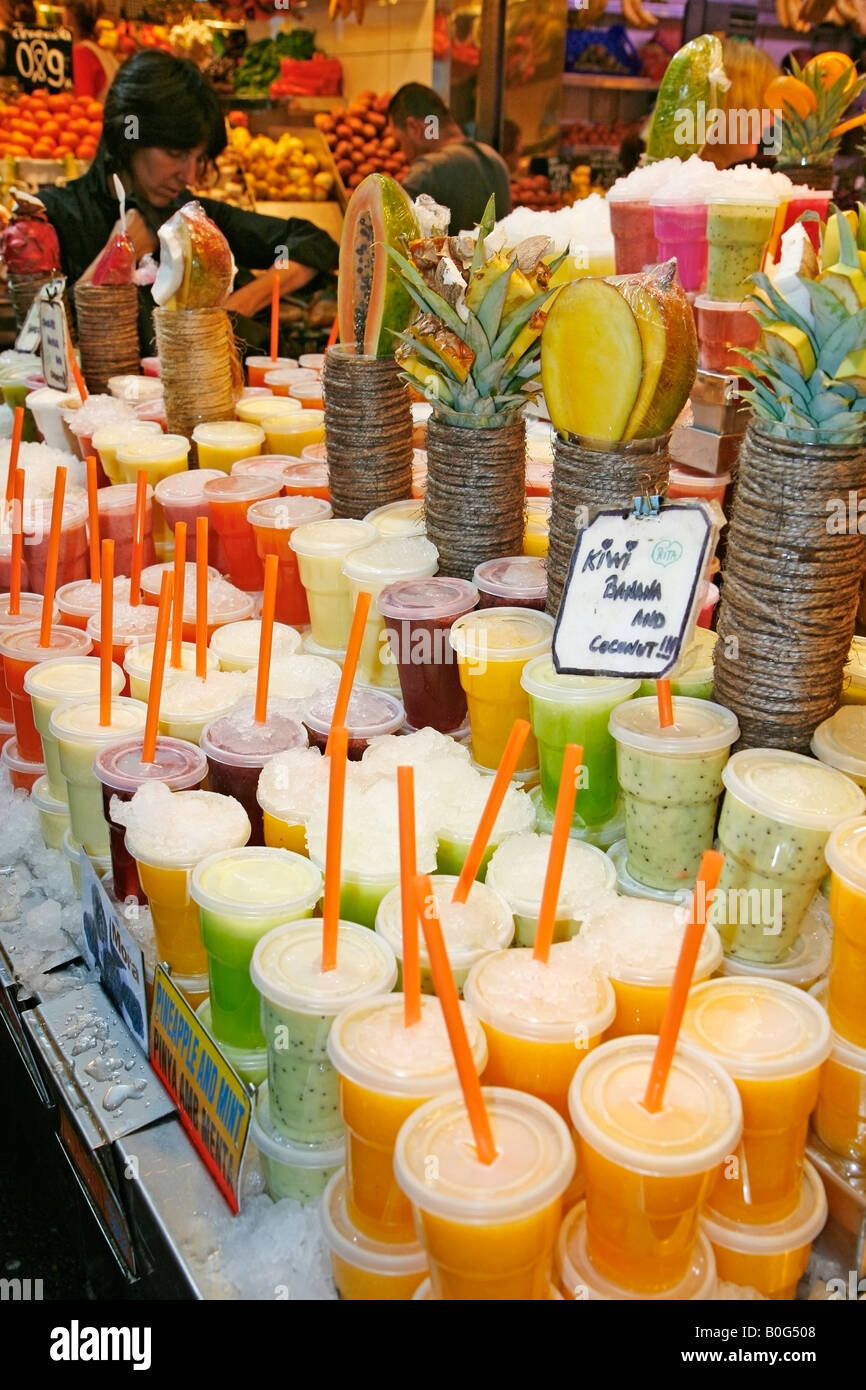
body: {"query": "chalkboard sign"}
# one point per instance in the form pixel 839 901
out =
pixel 40 57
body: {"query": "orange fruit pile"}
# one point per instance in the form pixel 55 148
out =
pixel 49 125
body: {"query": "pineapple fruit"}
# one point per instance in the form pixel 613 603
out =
pixel 809 371
pixel 810 116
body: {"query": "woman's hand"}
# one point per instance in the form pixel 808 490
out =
pixel 251 299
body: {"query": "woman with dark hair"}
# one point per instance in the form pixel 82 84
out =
pixel 93 70
pixel 162 127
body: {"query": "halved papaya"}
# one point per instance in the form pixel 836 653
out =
pixel 372 301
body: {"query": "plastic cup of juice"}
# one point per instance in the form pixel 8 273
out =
pixel 321 548
pixel 241 895
pixel 160 455
pixel 580 1280
pixel 168 834
pixel 29 612
pixel 473 929
pixel 222 442
pixel 648 1174
pixel 536 535
pixel 778 811
pixel 257 367
pixel 385 1072
pixel 236 645
pixel 517 871
pixel 707 487
pixel 80 736
pixel 253 410
pixel 772 1039
pixel 301 1171
pixel 489 1228
pixel 77 602
pixel 307 477
pixel 693 674
pixel 237 748
pixel 418 614
pixel 671 781
pixel 299 1002
pixel 302 387
pixel 637 942
pixel 19 651
pixel 840 742
pixel 290 433
pixel 846 856
pixel 72 557
pixel 53 814
pixel 680 226
pixel 771 1258
pixel 250 1063
pixel 840 1117
pixel 273 521
pixel 181 497
pixel 723 331
pixel 540 1019
pixel 576 709
pixel 737 231
pixel 633 228
pixel 300 676
pixel 189 703
pixel 135 387
pixel 493 646
pixel 459 811
pixel 367 1270
pixel 288 785
pixel 228 499
pixel 53 683
pixel 369 865
pixel 225 604
pixel 516 581
pixel 130 625
pixel 151 579
pixel 23 773
pixel 405 518
pixel 260 466
pixel 370 714
pixel 120 771
pixel 116 522
pixel 370 569
pixel 138 665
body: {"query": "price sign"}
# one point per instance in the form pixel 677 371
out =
pixel 53 333
pixel 109 948
pixel 41 57
pixel 28 338
pixel 559 174
pixel 632 592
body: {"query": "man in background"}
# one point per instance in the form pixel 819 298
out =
pixel 458 172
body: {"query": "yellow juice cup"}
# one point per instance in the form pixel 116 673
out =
pixel 138 665
pixel 290 432
pixel 648 1174
pixel 221 443
pixel 471 930
pixel 846 856
pixel 290 786
pixel 579 1279
pixel 365 1270
pixel 854 681
pixel 493 645
pixel 110 438
pixel 386 1071
pixel 772 1039
pixel 79 737
pixel 771 1258
pixel 540 1019
pixel 53 683
pixel 254 409
pixel 489 1229
pixel 536 535
pixel 840 1119
pixel 160 456
pixel 321 548
pixel 369 569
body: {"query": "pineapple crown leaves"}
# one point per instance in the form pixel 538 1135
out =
pixel 809 138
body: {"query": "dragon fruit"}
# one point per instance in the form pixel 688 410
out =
pixel 28 244
pixel 196 266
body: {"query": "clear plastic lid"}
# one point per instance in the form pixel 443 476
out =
pixel 541 679
pixel 791 788
pixel 118 433
pixel 699 726
pixel 482 924
pixel 237 433
pixel 319 452
pixel 127 622
pixel 518 870
pixel 276 1147
pixel 286 968
pixel 577 1272
pixel 254 410
pixel 179 764
pixel 846 852
pixel 232 487
pixel 777 1237
pixel 12 759
pixel 81 720
pixel 153 449
pixel 393 557
pixel 758 1029
pixel 132 386
pixel 561 1000
pixel 256 882
pixel 370 1045
pixel 292 376
pixel 433 598
pixel 285 513
pixel 271 364
pixel 241 641
pixel 237 739
pixel 630 887
pixel 841 741
pixel 151 575
pixel 22 643
pixel 502 634
pixel 513 577
pixel 299 677
pixel 138 660
pixel 732 198
pixel 310 473
pixel 700 484
pixel 335 537
pixel 370 712
pixel 534 1163
pixel 706 305
pixel 120 497
pixel 180 487
pixel 350 1245
pixel 40 795
pixel 70 677
pixel 638 940
pixel 262 465
pixel 404 518
pixel 844 1053
pixel 74 514
pixel 30 608
pixel 696 662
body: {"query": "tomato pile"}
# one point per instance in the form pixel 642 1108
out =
pixel 49 125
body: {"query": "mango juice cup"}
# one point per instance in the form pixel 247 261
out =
pixel 321 548
pixel 770 1258
pixel 471 930
pixel 517 871
pixel 110 438
pixel 840 1118
pixel 289 433
pixel 257 367
pixel 370 569
pixel 221 443
pixel 273 520
pixel 366 1270
pixel 580 1280
pixel 80 736
pixel 386 1071
pixel 846 856
pixel 493 646
pixel 649 1174
pixel 228 498
pixel 53 683
pixel 160 455
pixel 540 1019
pixel 489 1229
pixel 772 1039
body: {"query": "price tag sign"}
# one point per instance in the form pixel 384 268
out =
pixel 53 334
pixel 41 57
pixel 559 174
pixel 29 336
pixel 109 947
pixel 632 592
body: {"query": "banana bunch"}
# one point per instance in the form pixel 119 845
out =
pixel 637 16
pixel 589 13
pixel 344 9
pixel 803 15
pixel 788 15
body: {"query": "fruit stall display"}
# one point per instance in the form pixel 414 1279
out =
pixel 294 167
pixel 49 126
pixel 535 191
pixel 357 137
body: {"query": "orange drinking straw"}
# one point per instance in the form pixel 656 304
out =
pixel 334 333
pixel 275 315
pixel 507 763
pixel 14 450
pixel 666 709
pixel 447 994
pixel 201 597
pixel 93 517
pixel 138 538
pixel 157 669
pixel 408 869
pixel 266 638
pixel 708 877
pixel 76 370
pixel 106 650
pixel 334 847
pixel 350 665
pixel 17 545
pixel 53 556
pixel 179 580
pixel 558 844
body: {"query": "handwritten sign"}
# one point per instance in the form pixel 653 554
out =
pixel 53 335
pixel 109 948
pixel 29 335
pixel 41 57
pixel 214 1105
pixel 632 592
